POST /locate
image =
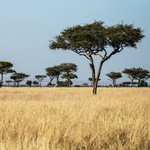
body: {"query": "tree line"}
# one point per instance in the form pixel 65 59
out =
pixel 96 39
pixel 67 71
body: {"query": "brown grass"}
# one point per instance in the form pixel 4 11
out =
pixel 74 119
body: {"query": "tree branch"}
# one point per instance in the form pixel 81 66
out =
pixel 81 54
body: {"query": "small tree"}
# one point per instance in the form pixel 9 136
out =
pixel 29 83
pixel 36 83
pixel 131 74
pixel 114 76
pixel 69 69
pixel 69 76
pixel 136 74
pixel 40 78
pixel 5 68
pixel 18 77
pixel 8 82
pixel 53 72
pixel 97 39
pixel 142 74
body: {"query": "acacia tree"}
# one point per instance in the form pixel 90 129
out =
pixel 142 74
pixel 5 68
pixel 50 72
pixel 8 82
pixel 97 39
pixel 18 77
pixel 36 83
pixel 131 74
pixel 29 83
pixel 53 72
pixel 114 76
pixel 40 78
pixel 69 76
pixel 69 69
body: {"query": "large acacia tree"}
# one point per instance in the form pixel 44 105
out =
pixel 97 39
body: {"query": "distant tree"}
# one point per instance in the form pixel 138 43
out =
pixel 137 74
pixel 8 82
pixel 142 74
pixel 114 76
pixel 69 76
pixel 127 84
pixel 29 83
pixel 142 83
pixel 131 74
pixel 18 77
pixel 53 72
pixel 40 78
pixel 63 83
pixel 68 69
pixel 97 39
pixel 85 85
pixel 36 83
pixel 50 72
pixel 5 68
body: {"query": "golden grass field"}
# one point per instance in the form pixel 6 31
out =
pixel 74 119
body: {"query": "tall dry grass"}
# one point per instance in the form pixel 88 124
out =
pixel 74 119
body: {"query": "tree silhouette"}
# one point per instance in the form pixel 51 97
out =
pixel 69 76
pixel 5 68
pixel 69 69
pixel 36 83
pixel 142 74
pixel 53 72
pixel 29 83
pixel 18 77
pixel 114 76
pixel 97 39
pixel 8 82
pixel 40 78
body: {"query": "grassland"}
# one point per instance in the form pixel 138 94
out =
pixel 74 119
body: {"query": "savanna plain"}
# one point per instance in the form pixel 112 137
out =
pixel 74 119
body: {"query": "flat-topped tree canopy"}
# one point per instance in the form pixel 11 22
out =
pixel 5 68
pixel 97 39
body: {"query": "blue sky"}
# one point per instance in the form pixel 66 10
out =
pixel 26 26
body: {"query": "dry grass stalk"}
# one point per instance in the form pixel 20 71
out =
pixel 73 119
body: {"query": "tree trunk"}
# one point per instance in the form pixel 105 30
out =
pixel 95 80
pixel 113 83
pixel 138 83
pixel 57 81
pixel 1 81
pixel 131 82
pixel 95 88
